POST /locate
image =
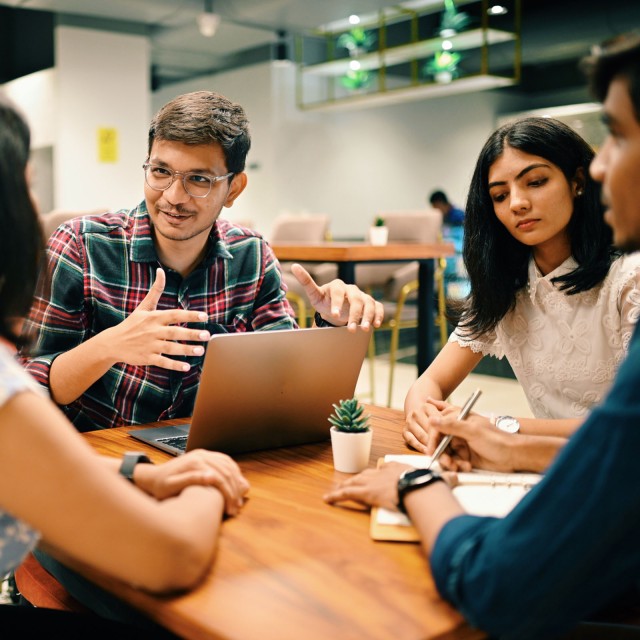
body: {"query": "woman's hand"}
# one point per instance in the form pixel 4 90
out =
pixel 198 467
pixel 417 433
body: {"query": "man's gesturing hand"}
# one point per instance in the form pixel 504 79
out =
pixel 149 335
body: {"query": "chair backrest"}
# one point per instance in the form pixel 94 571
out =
pixel 421 226
pixel 304 227
pixel 52 220
pixel 424 226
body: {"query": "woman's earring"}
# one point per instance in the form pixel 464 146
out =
pixel 578 192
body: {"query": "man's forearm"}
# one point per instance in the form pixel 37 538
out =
pixel 535 453
pixel 74 371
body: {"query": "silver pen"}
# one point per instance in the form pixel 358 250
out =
pixel 464 412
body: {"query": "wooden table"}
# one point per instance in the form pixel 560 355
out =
pixel 348 254
pixel 292 567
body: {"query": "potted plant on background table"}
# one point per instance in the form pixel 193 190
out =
pixel 379 233
pixel 351 436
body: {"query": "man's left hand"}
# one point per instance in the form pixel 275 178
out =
pixel 339 303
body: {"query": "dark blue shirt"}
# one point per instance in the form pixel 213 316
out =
pixel 571 546
pixel 454 218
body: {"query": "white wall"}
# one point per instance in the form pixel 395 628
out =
pixel 35 94
pixel 103 81
pixel 350 164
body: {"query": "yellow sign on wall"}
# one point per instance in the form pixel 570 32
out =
pixel 107 144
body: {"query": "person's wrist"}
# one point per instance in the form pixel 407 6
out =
pixel 321 322
pixel 130 463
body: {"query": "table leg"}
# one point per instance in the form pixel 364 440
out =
pixel 347 272
pixel 426 317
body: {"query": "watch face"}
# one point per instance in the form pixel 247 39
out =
pixel 508 424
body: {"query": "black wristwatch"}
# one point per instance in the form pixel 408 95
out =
pixel 129 462
pixel 413 479
pixel 320 321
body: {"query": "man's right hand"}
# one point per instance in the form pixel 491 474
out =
pixel 148 336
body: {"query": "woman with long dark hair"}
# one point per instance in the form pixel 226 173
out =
pixel 157 531
pixel 548 291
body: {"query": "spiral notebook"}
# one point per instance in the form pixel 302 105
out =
pixel 481 493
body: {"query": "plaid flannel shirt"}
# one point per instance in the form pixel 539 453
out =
pixel 101 268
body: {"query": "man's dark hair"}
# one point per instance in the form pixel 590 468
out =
pixel 204 117
pixel 617 57
pixel 438 196
pixel 21 242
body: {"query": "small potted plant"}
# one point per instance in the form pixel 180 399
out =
pixel 351 436
pixel 378 233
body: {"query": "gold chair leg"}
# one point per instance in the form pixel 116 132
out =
pixel 301 308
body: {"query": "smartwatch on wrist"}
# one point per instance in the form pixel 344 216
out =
pixel 129 462
pixel 413 479
pixel 508 424
pixel 320 321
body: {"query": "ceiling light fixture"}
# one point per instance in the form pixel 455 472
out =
pixel 354 19
pixel 497 10
pixel 208 21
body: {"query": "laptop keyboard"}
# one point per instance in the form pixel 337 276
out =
pixel 179 442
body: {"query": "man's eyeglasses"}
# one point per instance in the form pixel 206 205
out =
pixel 197 185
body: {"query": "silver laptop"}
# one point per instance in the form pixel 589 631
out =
pixel 267 389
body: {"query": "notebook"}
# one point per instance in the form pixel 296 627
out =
pixel 481 493
pixel 267 389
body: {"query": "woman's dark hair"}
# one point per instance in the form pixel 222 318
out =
pixel 496 262
pixel 21 240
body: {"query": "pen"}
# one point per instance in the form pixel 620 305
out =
pixel 464 412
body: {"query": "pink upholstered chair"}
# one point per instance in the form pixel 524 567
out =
pixel 304 227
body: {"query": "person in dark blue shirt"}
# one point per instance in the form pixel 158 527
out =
pixel 452 231
pixel 451 216
pixel 571 548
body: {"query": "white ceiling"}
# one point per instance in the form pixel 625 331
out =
pixel 552 30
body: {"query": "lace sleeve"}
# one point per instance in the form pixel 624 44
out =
pixel 487 344
pixel 628 298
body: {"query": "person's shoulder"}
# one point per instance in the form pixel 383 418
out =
pixel 100 223
pixel 625 268
pixel 233 233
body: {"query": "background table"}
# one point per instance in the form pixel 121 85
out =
pixel 291 566
pixel 348 254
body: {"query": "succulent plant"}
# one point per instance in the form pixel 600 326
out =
pixel 379 222
pixel 348 417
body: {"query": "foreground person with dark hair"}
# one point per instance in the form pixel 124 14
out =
pixel 570 548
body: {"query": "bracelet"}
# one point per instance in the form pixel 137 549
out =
pixel 320 321
pixel 129 462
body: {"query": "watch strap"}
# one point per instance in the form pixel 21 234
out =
pixel 413 479
pixel 320 321
pixel 129 462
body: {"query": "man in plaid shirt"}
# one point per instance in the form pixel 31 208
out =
pixel 131 297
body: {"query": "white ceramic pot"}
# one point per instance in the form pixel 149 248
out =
pixel 351 451
pixel 378 235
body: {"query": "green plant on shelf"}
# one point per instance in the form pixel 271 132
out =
pixel 348 417
pixel 356 41
pixel 452 21
pixel 443 66
pixel 355 79
pixel 378 222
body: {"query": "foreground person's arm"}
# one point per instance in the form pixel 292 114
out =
pixel 61 488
